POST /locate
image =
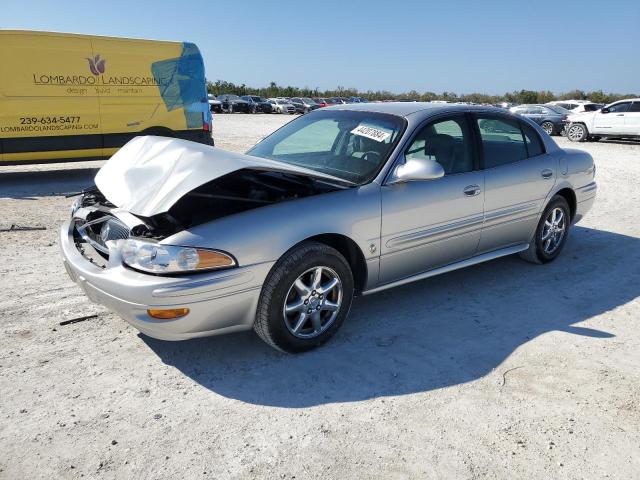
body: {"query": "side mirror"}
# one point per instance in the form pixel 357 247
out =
pixel 604 110
pixel 416 169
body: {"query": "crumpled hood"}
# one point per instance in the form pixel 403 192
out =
pixel 150 174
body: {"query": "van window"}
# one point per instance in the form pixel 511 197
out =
pixel 502 141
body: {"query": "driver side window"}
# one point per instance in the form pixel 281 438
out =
pixel 447 142
pixel 619 107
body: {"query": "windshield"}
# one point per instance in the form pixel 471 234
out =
pixel 349 145
pixel 308 100
pixel 257 99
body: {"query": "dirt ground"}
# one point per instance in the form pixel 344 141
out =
pixel 504 370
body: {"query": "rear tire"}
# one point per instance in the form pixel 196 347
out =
pixel 551 233
pixel 547 127
pixel 298 309
pixel 577 132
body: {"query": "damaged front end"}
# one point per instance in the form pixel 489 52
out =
pixel 155 187
pixel 97 221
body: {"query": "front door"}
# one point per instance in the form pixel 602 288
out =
pixel 612 122
pixel 428 224
pixel 518 178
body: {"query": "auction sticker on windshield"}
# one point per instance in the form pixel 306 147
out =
pixel 370 132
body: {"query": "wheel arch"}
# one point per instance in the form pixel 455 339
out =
pixel 159 131
pixel 350 250
pixel 570 196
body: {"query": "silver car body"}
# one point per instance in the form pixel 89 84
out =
pixel 281 105
pixel 397 233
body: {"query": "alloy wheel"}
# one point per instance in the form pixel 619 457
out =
pixel 575 132
pixel 553 230
pixel 313 302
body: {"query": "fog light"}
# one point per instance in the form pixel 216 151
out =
pixel 167 313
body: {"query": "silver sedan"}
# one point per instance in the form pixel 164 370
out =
pixel 185 240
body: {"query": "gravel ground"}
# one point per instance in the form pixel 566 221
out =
pixel 503 370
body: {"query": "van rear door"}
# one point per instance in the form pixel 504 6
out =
pixel 50 106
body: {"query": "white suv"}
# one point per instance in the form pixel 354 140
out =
pixel 619 119
pixel 569 104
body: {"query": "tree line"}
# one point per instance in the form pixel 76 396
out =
pixel 523 96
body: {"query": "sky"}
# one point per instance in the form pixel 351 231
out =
pixel 456 46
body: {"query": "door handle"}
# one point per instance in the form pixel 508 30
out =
pixel 471 190
pixel 546 173
pixel 620 115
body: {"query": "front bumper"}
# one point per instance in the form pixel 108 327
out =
pixel 219 302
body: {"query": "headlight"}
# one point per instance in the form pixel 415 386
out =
pixel 158 258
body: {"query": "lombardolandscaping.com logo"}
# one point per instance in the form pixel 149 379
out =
pixel 96 65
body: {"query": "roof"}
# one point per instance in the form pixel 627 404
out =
pixel 405 109
pixel 81 35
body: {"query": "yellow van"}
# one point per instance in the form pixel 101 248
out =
pixel 66 96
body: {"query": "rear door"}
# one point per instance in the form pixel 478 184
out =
pixel 612 122
pixel 428 224
pixel 632 119
pixel 535 114
pixel 518 177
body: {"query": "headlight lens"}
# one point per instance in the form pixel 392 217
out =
pixel 158 258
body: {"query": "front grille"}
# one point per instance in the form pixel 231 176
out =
pixel 99 230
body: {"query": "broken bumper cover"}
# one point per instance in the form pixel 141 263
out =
pixel 218 302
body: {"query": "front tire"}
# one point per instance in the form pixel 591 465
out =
pixel 551 233
pixel 577 132
pixel 305 298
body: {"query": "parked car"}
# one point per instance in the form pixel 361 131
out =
pixel 587 107
pixel 569 104
pixel 215 105
pixel 337 101
pixel 282 106
pixel 620 119
pixel 321 101
pixel 282 238
pixel 257 104
pixel 551 118
pixel 304 105
pixel 233 104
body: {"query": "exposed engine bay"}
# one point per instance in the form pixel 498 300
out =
pixel 97 221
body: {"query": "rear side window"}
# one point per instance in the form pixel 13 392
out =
pixel 534 144
pixel 502 141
